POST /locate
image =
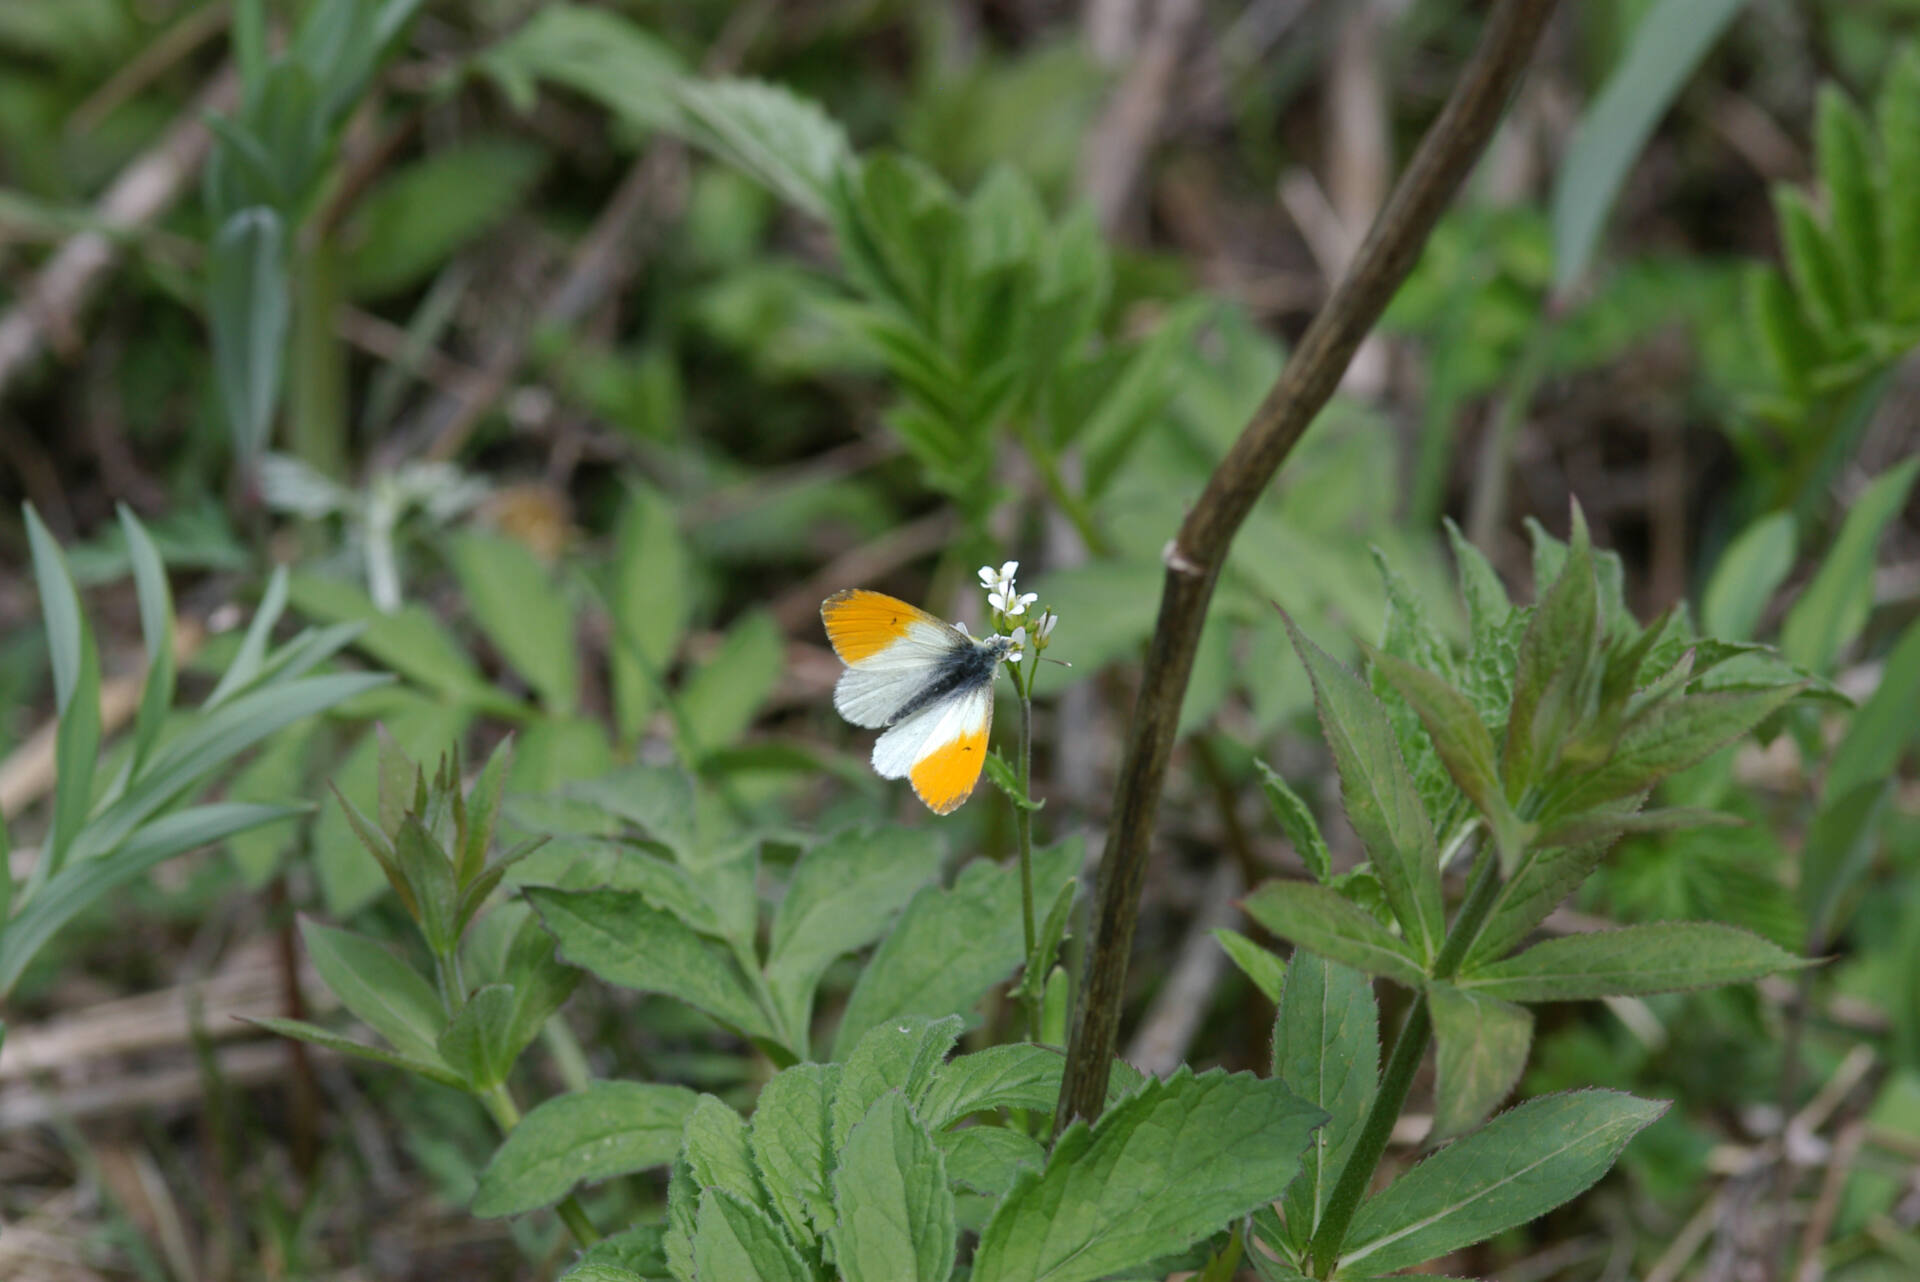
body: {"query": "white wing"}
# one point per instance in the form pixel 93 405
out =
pixel 870 696
pixel 897 751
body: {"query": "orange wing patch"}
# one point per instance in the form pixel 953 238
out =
pixel 945 776
pixel 861 623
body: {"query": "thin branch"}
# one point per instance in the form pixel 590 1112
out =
pixel 1194 558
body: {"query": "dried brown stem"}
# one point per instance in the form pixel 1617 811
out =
pixel 1445 156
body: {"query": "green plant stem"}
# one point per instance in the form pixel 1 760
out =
pixel 1071 505
pixel 1409 1048
pixel 1023 830
pixel 506 1116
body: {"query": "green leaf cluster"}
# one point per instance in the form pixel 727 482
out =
pixel 110 825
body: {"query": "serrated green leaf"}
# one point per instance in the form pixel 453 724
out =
pixel 623 939
pixel 713 1143
pixel 988 1159
pixel 1382 803
pixel 1554 678
pixel 1160 1170
pixel 1296 821
pixel 735 1239
pixel 950 946
pixel 1482 1047
pixel 843 895
pixel 770 133
pixel 603 1130
pixel 1519 1166
pixel 595 52
pixel 1669 737
pixel 1326 1049
pixel 1267 971
pixel 1663 957
pixel 1018 1075
pixel 894 1212
pixel 901 1054
pixel 1320 920
pixel 792 1141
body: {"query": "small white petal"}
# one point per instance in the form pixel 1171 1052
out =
pixel 997 601
pixel 1014 609
pixel 987 576
pixel 1010 569
pixel 1019 635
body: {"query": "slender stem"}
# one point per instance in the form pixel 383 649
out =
pixel 1409 1047
pixel 1023 830
pixel 1194 559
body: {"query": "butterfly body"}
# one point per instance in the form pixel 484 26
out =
pixel 927 682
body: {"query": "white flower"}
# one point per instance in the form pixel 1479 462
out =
pixel 1019 638
pixel 1043 630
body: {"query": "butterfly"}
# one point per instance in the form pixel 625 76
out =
pixel 928 682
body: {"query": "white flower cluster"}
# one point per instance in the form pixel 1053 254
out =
pixel 1009 603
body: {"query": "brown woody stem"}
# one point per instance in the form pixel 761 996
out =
pixel 1445 156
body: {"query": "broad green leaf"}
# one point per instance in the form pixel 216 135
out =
pixel 624 940
pixel 379 989
pixel 658 800
pixel 474 1043
pixel 1668 44
pixel 1326 1049
pixel 792 1141
pixel 524 609
pixel 638 1252
pixel 1482 1047
pixel 1749 571
pixel 1884 726
pixel 722 696
pixel 416 217
pixel 249 308
pixel 683 1211
pixel 1266 969
pixel 1518 1167
pixel 598 1271
pixel 649 599
pixel 843 894
pixel 900 1055
pixel 894 1211
pixel 76 887
pixel 541 983
pixel 950 946
pixel 785 141
pixel 988 1159
pixel 603 1130
pixel 1382 803
pixel 1835 606
pixel 1325 922
pixel 735 1239
pixel 1836 853
pixel 1663 957
pixel 1160 1170
pixel 1297 822
pixel 411 641
pixel 313 1034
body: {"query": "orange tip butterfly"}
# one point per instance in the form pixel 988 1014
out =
pixel 928 682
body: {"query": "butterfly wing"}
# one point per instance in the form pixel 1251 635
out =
pixel 891 650
pixel 940 748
